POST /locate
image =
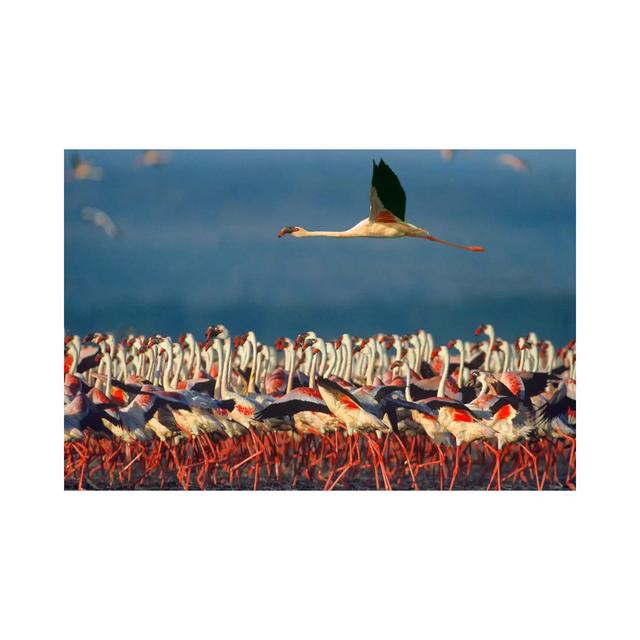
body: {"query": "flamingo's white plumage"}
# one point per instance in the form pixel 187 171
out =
pixel 386 214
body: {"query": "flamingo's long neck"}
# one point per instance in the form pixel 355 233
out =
pixel 383 357
pixel 551 352
pixel 261 358
pixel 407 387
pixel 444 354
pixel 398 346
pixel 226 367
pixel 492 340
pixel 372 361
pixel 346 341
pixel 337 367
pixel 461 366
pixel 414 352
pixel 536 356
pixel 198 362
pixel 521 361
pixel 122 361
pixel 107 363
pixel 221 363
pixel 244 354
pixel 291 356
pixel 507 357
pixel 312 370
pixel 331 358
pixel 251 339
pixel 176 375
pixel 422 341
pixel 152 373
pixel 74 357
pixel 322 347
pixel 303 233
pixel 190 340
pixel 207 359
pixel 484 385
pixel 572 364
pixel 166 382
pixel 428 349
pixel 99 381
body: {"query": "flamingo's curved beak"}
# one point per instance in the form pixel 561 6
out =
pixel 286 230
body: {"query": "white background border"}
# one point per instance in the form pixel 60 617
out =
pixel 334 75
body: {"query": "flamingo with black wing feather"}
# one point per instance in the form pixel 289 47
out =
pixel 386 214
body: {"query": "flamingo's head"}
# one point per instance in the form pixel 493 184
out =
pixel 481 329
pixel 287 230
pixel 214 330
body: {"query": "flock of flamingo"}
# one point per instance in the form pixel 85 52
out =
pixel 383 411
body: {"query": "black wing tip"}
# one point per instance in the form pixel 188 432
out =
pixel 389 188
pixel 325 382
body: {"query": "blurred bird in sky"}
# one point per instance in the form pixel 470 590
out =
pixel 84 169
pixel 152 158
pixel 515 163
pixel 447 154
pixel 102 220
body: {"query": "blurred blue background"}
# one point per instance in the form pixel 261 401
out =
pixel 199 245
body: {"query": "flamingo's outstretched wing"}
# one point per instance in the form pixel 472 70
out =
pixel 340 394
pixel 301 399
pixel 561 403
pixel 387 197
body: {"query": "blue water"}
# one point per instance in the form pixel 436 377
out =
pixel 199 245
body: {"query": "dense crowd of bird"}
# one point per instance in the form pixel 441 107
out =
pixel 383 411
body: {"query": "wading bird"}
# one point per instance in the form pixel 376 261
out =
pixel 386 214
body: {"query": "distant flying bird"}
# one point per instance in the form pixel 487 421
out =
pixel 515 163
pixel 447 154
pixel 386 214
pixel 84 169
pixel 152 158
pixel 102 220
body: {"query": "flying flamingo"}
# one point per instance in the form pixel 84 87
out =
pixel 386 214
pixel 83 169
